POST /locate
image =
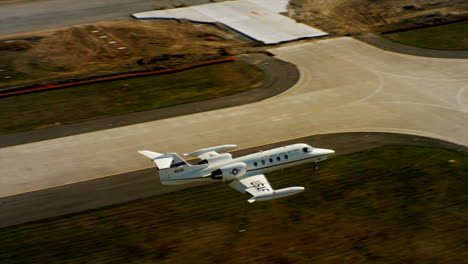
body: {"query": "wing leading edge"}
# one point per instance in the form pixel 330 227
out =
pixel 259 187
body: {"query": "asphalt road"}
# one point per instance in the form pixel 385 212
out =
pixel 40 15
pixel 27 16
pixel 143 183
pixel 345 86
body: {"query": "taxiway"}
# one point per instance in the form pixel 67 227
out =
pixel 345 86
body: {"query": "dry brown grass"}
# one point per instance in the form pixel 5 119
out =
pixel 363 16
pixel 85 50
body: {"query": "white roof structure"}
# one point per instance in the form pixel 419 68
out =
pixel 277 6
pixel 257 19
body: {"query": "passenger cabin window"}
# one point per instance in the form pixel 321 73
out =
pixel 307 149
pixel 285 156
pixel 278 158
pixel 271 160
pixel 263 162
pixel 255 164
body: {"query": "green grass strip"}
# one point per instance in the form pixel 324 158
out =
pixel 453 36
pixel 36 110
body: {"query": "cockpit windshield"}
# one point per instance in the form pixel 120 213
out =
pixel 307 149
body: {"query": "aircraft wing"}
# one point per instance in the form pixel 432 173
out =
pixel 259 187
pixel 207 155
pixel 255 185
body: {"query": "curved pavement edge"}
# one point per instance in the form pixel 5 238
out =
pixel 280 76
pixel 388 45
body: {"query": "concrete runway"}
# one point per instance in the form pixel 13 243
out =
pixel 125 187
pixel 345 86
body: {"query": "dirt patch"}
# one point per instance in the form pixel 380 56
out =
pixel 351 17
pixel 106 47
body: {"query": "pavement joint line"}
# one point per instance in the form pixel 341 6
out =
pixel 411 103
pixel 377 90
pixel 410 132
pixel 420 78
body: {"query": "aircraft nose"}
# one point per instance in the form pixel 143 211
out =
pixel 326 152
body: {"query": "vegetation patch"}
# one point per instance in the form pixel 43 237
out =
pixel 453 36
pixel 388 205
pixel 55 107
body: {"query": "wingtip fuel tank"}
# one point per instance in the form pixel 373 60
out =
pixel 277 194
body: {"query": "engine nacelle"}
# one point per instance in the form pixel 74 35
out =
pixel 229 172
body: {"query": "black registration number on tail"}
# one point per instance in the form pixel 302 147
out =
pixel 179 170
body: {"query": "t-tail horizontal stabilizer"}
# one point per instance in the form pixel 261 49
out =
pixel 163 161
pixel 277 194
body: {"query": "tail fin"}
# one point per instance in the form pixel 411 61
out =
pixel 161 160
pixel 167 163
pixel 171 166
pixel 164 161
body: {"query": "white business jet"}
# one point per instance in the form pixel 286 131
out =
pixel 244 174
